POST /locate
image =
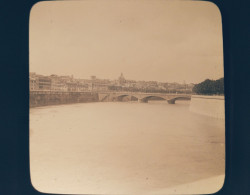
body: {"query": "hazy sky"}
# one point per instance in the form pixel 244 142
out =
pixel 168 41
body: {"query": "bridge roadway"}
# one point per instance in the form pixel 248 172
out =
pixel 142 97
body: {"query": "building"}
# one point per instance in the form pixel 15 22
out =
pixel 44 83
pixel 82 87
pixel 71 86
pixel 57 84
pixel 33 84
pixel 99 84
pixel 66 79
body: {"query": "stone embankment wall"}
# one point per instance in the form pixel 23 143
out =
pixel 55 98
pixel 213 106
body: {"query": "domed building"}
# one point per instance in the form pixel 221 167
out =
pixel 121 79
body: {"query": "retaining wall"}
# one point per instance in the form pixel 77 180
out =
pixel 213 106
pixel 53 98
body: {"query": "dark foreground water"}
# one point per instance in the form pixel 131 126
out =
pixel 123 147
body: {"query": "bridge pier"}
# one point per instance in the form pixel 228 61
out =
pixel 143 100
pixel 172 101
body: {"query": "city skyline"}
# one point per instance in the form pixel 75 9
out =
pixel 151 41
pixel 115 79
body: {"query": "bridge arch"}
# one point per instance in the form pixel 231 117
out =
pixel 120 97
pixel 145 99
pixel 172 101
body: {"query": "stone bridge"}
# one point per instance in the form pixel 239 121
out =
pixel 142 97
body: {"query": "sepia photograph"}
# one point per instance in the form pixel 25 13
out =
pixel 126 97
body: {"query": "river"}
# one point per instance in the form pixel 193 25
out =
pixel 123 147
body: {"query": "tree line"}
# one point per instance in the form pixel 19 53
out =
pixel 210 87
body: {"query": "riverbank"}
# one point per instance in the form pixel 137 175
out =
pixel 212 106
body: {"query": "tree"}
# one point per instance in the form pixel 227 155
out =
pixel 210 87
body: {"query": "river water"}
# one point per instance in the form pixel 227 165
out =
pixel 123 147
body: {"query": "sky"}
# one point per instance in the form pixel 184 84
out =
pixel 159 40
